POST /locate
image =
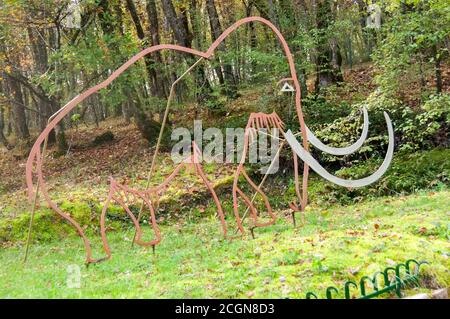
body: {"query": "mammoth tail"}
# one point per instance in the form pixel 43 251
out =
pixel 314 164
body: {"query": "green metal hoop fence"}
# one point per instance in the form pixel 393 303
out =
pixel 394 279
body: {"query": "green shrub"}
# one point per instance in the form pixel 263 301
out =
pixel 408 173
pixel 420 129
pixel 427 127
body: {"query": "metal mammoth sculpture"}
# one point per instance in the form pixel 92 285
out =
pixel 257 121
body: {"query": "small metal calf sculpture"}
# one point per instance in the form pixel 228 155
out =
pixel 257 121
pixel 121 193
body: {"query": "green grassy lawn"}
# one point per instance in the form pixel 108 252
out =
pixel 193 261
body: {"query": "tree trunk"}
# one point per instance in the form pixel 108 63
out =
pixel 145 124
pixel 40 59
pixel 46 106
pixel 329 59
pixel 119 15
pixel 152 14
pixel 179 30
pixel 214 24
pixel 251 34
pixel 272 13
pixel 336 61
pixel 183 36
pixel 437 69
pixel 230 88
pixel 251 25
pixel 3 139
pixel 367 33
pixel 18 108
pixel 126 111
pixel 149 62
pixel 148 127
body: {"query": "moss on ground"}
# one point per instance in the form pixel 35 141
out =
pixel 336 244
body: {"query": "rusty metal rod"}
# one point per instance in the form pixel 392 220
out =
pixel 161 131
pixel 36 195
pixel 262 183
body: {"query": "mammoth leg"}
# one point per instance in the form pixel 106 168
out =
pixel 266 202
pixel 249 205
pixel 295 208
pixel 155 228
pixel 65 216
pixel 216 199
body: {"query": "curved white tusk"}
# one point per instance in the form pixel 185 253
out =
pixel 344 150
pixel 307 158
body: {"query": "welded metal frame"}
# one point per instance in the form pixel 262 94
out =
pixel 256 121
